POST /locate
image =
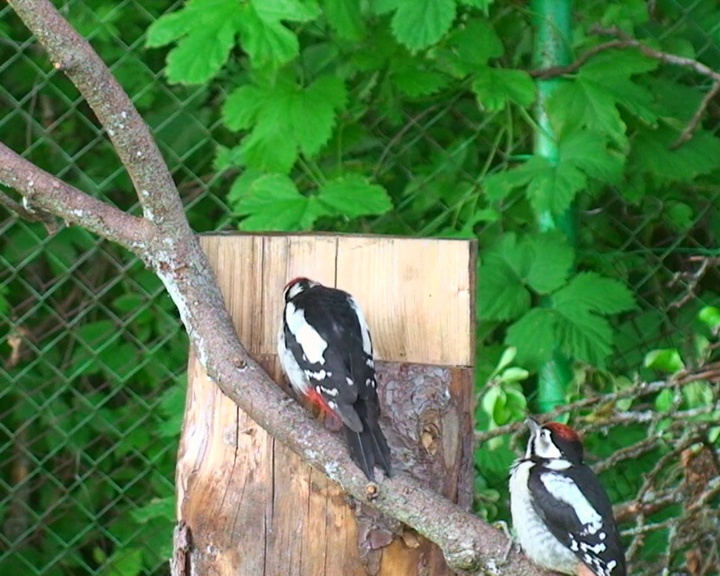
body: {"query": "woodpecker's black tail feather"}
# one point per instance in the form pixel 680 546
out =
pixel 368 448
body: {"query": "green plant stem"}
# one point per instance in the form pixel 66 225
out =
pixel 552 22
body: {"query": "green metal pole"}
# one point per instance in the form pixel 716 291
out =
pixel 552 20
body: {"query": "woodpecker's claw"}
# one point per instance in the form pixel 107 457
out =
pixel 512 542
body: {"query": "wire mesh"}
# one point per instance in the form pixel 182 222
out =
pixel 93 355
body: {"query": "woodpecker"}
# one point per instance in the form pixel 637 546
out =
pixel 561 512
pixel 326 352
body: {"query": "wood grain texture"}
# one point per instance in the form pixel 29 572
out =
pixel 252 506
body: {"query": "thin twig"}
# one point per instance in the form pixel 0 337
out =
pixel 72 205
pixel 30 215
pixel 709 371
pixel 689 130
pixel 625 41
pixel 554 71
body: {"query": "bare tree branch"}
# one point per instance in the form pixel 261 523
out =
pixel 166 242
pixel 553 71
pixel 605 413
pixel 29 214
pixel 72 205
pixel 625 41
pixel 133 142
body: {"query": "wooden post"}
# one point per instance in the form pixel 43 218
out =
pixel 252 506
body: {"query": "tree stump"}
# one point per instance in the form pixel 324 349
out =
pixel 252 506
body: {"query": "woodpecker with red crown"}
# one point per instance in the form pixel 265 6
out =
pixel 326 351
pixel 561 513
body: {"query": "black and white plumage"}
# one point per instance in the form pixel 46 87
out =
pixel 561 513
pixel 326 351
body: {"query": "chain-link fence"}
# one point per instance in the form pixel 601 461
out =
pixel 92 354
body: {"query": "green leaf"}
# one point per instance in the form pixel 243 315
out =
pixel 514 374
pixel 591 99
pixel 552 258
pixel 97 335
pixel 156 508
pixel 313 111
pixel 553 188
pixel 665 401
pixel 170 27
pixel 205 31
pixel 241 187
pixel 271 11
pixel 242 106
pixel 653 153
pixel 126 562
pixel 583 335
pixel 172 408
pixel 345 17
pixel 698 394
pixel 418 24
pixel 507 357
pixel 589 152
pixel 352 196
pixel 492 395
pixel 271 145
pixel 284 119
pixel 416 83
pixel 588 106
pixel 502 294
pixel 549 188
pixel 495 87
pixel 120 361
pixel 498 186
pixel 4 303
pixel 533 336
pixel 612 71
pixel 226 158
pixel 664 359
pixel 710 315
pixel 595 293
pixel 201 55
pixel 268 43
pixel 468 48
pixel 680 215
pixel 381 7
pixel 511 405
pixel 483 5
pixel 194 14
pixel 274 203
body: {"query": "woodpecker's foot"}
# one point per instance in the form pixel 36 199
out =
pixel 502 525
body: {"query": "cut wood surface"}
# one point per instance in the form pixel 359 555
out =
pixel 252 506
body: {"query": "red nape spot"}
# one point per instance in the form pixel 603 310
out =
pixel 295 281
pixel 562 431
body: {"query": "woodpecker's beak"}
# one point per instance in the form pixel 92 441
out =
pixel 534 426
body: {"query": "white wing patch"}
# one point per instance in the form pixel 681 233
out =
pixel 296 375
pixel 565 490
pixel 319 375
pixel 307 337
pixel 367 342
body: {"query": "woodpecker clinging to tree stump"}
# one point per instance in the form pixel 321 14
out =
pixel 561 512
pixel 326 351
